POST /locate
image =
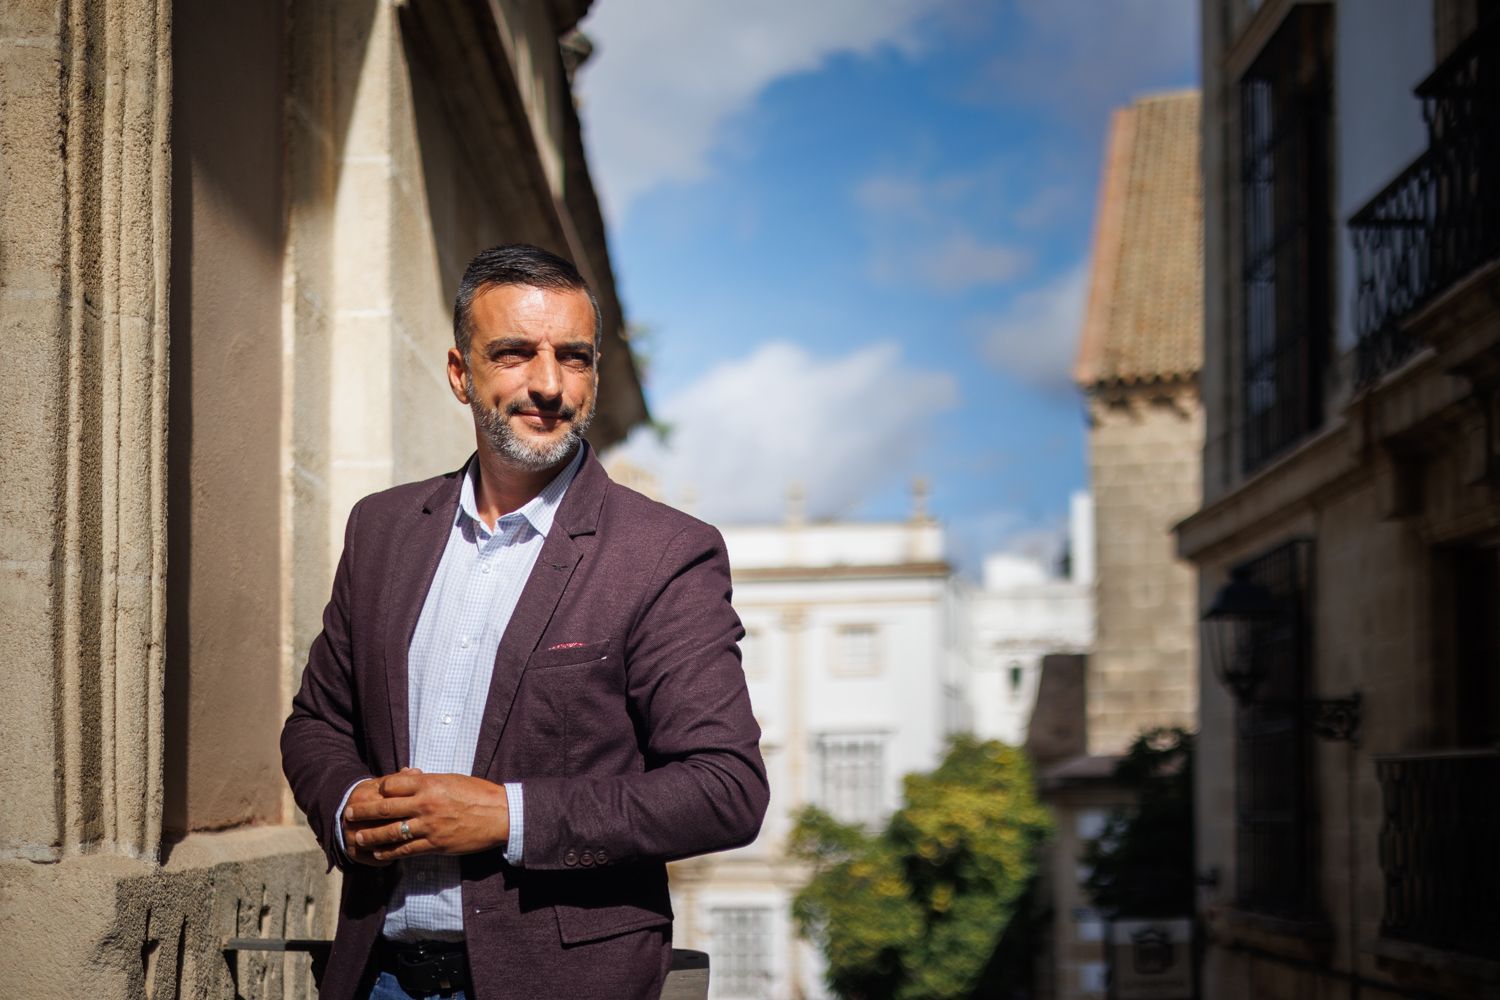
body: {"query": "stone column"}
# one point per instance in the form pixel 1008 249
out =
pixel 85 98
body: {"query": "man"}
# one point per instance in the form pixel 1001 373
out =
pixel 527 694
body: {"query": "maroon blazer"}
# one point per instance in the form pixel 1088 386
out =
pixel 635 748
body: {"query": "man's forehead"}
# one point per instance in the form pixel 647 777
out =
pixel 531 298
pixel 508 310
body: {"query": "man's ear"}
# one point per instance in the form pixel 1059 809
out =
pixel 456 372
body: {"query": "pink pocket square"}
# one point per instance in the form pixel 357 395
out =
pixel 564 645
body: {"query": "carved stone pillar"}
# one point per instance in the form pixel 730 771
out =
pixel 85 100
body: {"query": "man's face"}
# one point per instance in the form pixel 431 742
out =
pixel 531 377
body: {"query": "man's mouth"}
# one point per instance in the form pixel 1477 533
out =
pixel 542 419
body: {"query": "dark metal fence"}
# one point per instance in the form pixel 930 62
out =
pixel 1440 218
pixel 1440 849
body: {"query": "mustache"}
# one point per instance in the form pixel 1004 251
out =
pixel 561 411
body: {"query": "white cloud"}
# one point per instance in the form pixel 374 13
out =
pixel 1036 339
pixel 909 198
pixel 954 262
pixel 667 75
pixel 1049 204
pixel 960 261
pixel 919 231
pixel 842 428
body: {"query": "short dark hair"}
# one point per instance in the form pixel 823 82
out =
pixel 516 264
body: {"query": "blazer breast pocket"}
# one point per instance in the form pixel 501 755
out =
pixel 569 654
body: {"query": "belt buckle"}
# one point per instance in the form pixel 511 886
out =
pixel 427 969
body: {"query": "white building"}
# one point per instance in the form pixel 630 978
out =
pixel 1021 613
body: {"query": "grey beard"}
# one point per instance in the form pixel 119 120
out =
pixel 496 429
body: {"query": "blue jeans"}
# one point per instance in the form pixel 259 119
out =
pixel 387 988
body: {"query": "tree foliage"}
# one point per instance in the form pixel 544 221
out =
pixel 1142 862
pixel 915 911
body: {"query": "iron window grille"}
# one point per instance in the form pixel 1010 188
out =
pixel 1276 843
pixel 1438 850
pixel 1287 232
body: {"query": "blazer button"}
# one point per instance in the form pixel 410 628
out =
pixel 601 856
pixel 586 859
pixel 570 859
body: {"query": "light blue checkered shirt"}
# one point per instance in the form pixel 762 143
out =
pixel 448 668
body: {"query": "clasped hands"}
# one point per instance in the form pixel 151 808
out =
pixel 443 813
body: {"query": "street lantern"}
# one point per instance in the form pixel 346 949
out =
pixel 1228 632
pixel 1228 627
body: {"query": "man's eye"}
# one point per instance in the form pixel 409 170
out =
pixel 578 360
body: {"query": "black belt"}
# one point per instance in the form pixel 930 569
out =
pixel 424 967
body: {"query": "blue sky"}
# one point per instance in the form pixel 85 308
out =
pixel 857 232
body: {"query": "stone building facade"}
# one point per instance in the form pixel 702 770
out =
pixel 1346 802
pixel 1138 367
pixel 231 236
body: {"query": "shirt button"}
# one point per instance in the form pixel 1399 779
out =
pixel 447 719
pixel 484 569
pixel 464 642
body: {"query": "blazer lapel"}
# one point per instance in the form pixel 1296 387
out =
pixel 544 588
pixel 578 515
pixel 417 558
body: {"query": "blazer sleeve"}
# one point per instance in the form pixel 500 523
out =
pixel 320 741
pixel 704 784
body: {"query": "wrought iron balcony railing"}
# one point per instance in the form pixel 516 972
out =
pixel 1440 849
pixel 1439 219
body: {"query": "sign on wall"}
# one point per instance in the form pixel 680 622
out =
pixel 1151 959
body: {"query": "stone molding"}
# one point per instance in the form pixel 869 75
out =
pixel 1307 939
pixel 118 114
pixel 87 308
pixel 1443 398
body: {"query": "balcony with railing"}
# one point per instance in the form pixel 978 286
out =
pixel 1440 850
pixel 1439 220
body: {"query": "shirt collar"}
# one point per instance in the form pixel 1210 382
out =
pixel 539 511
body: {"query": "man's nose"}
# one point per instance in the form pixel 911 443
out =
pixel 545 373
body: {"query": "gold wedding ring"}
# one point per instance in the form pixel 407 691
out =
pixel 405 830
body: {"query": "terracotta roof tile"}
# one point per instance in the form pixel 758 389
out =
pixel 1144 320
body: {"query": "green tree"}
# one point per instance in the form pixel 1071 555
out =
pixel 1142 862
pixel 916 910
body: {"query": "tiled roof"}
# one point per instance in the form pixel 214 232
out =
pixel 1144 320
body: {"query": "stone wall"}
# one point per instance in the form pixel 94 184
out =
pixel 224 423
pixel 1145 454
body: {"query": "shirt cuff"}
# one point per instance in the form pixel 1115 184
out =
pixel 338 820
pixel 517 840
